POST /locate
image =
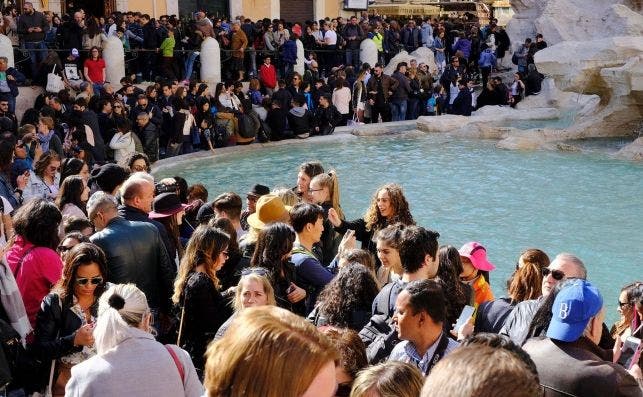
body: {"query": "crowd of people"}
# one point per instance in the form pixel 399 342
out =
pixel 183 115
pixel 117 283
pixel 113 282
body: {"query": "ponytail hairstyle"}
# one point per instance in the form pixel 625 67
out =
pixel 526 282
pixel 329 180
pixel 204 248
pixel 121 308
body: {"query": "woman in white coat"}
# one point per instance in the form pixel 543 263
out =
pixel 123 142
pixel 129 361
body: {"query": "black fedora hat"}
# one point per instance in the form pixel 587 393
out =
pixel 259 190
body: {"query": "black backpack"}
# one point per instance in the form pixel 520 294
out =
pixel 379 334
pixel 246 126
pixel 265 132
pixel 218 135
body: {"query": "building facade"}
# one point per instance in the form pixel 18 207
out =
pixel 290 10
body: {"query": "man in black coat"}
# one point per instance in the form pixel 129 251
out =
pixel 148 133
pixel 462 103
pixel 299 118
pixel 144 106
pixel 569 360
pixel 134 253
pixel 326 116
pixel 137 195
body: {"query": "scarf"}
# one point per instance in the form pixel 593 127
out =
pixel 44 141
pixel 12 301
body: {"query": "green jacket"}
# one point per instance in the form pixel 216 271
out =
pixel 167 47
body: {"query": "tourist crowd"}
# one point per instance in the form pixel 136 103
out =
pixel 335 89
pixel 114 282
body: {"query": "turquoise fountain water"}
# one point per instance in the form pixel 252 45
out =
pixel 581 202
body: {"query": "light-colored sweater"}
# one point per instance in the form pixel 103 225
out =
pixel 138 366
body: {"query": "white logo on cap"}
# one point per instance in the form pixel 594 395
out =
pixel 564 311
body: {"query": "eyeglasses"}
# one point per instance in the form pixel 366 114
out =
pixel 93 280
pixel 556 274
pixel 314 190
pixel 261 271
pixel 621 304
pixel 63 248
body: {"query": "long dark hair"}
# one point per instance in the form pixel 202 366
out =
pixel 173 232
pixel 454 292
pixel 353 288
pixel 37 221
pixel 274 242
pixel 227 226
pixel 70 166
pixel 204 248
pixel 81 255
pixel 70 193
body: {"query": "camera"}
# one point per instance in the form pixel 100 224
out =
pixel 160 188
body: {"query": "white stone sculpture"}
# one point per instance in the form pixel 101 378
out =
pixel 6 49
pixel 210 62
pixel 577 20
pixel 368 52
pixel 114 57
pixel 301 57
pixel 421 55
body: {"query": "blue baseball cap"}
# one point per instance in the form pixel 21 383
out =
pixel 575 304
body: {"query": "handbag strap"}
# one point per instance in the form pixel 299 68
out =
pixel 178 338
pixel 177 362
pixel 19 265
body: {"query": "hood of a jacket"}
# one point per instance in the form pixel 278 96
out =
pixel 299 111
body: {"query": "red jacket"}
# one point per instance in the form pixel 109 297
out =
pixel 268 76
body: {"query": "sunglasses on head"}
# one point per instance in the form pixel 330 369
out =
pixel 556 274
pixel 93 280
pixel 260 271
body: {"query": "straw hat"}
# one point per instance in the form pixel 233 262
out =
pixel 270 209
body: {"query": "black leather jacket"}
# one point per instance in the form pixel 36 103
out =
pixel 56 326
pixel 134 214
pixel 136 254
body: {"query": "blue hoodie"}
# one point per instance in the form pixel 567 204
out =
pixel 487 59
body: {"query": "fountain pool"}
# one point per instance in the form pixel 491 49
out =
pixel 581 202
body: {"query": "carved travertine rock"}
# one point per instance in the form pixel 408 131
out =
pixel 368 52
pixel 210 62
pixel 114 57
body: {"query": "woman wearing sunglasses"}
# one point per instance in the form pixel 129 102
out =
pixel 44 179
pixel 197 292
pixel 65 322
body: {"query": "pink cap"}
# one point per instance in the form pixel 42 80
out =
pixel 477 254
